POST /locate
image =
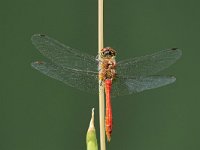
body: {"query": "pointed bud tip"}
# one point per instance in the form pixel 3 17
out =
pixel 91 126
pixel 91 139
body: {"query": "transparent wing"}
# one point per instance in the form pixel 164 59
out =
pixel 82 80
pixel 88 81
pixel 149 64
pixel 131 85
pixel 63 55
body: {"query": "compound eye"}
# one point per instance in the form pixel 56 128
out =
pixel 105 53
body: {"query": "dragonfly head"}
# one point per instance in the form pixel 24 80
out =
pixel 108 52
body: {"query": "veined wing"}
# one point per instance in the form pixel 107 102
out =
pixel 88 80
pixel 63 55
pixel 82 80
pixel 149 64
pixel 126 86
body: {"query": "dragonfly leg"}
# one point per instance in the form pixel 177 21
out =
pixel 99 68
pixel 97 58
pixel 101 83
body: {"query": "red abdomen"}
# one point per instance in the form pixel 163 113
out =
pixel 108 84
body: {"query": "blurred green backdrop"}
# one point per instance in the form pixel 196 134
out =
pixel 40 113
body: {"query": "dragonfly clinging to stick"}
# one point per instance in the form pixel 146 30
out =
pixel 80 70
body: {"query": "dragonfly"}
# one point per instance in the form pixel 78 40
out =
pixel 83 71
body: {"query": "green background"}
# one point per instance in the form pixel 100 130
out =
pixel 40 113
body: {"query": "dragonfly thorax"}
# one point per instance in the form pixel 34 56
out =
pixel 107 64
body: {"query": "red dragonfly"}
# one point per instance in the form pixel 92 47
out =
pixel 80 70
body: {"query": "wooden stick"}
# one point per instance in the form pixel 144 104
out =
pixel 101 87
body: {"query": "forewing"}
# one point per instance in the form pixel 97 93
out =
pixel 149 64
pixel 63 55
pixel 82 80
pixel 125 86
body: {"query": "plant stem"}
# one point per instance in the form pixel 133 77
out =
pixel 101 87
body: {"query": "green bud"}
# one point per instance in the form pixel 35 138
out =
pixel 91 139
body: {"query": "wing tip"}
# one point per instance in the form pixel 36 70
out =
pixel 173 79
pixel 174 48
pixel 177 50
pixel 33 64
pixel 37 35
